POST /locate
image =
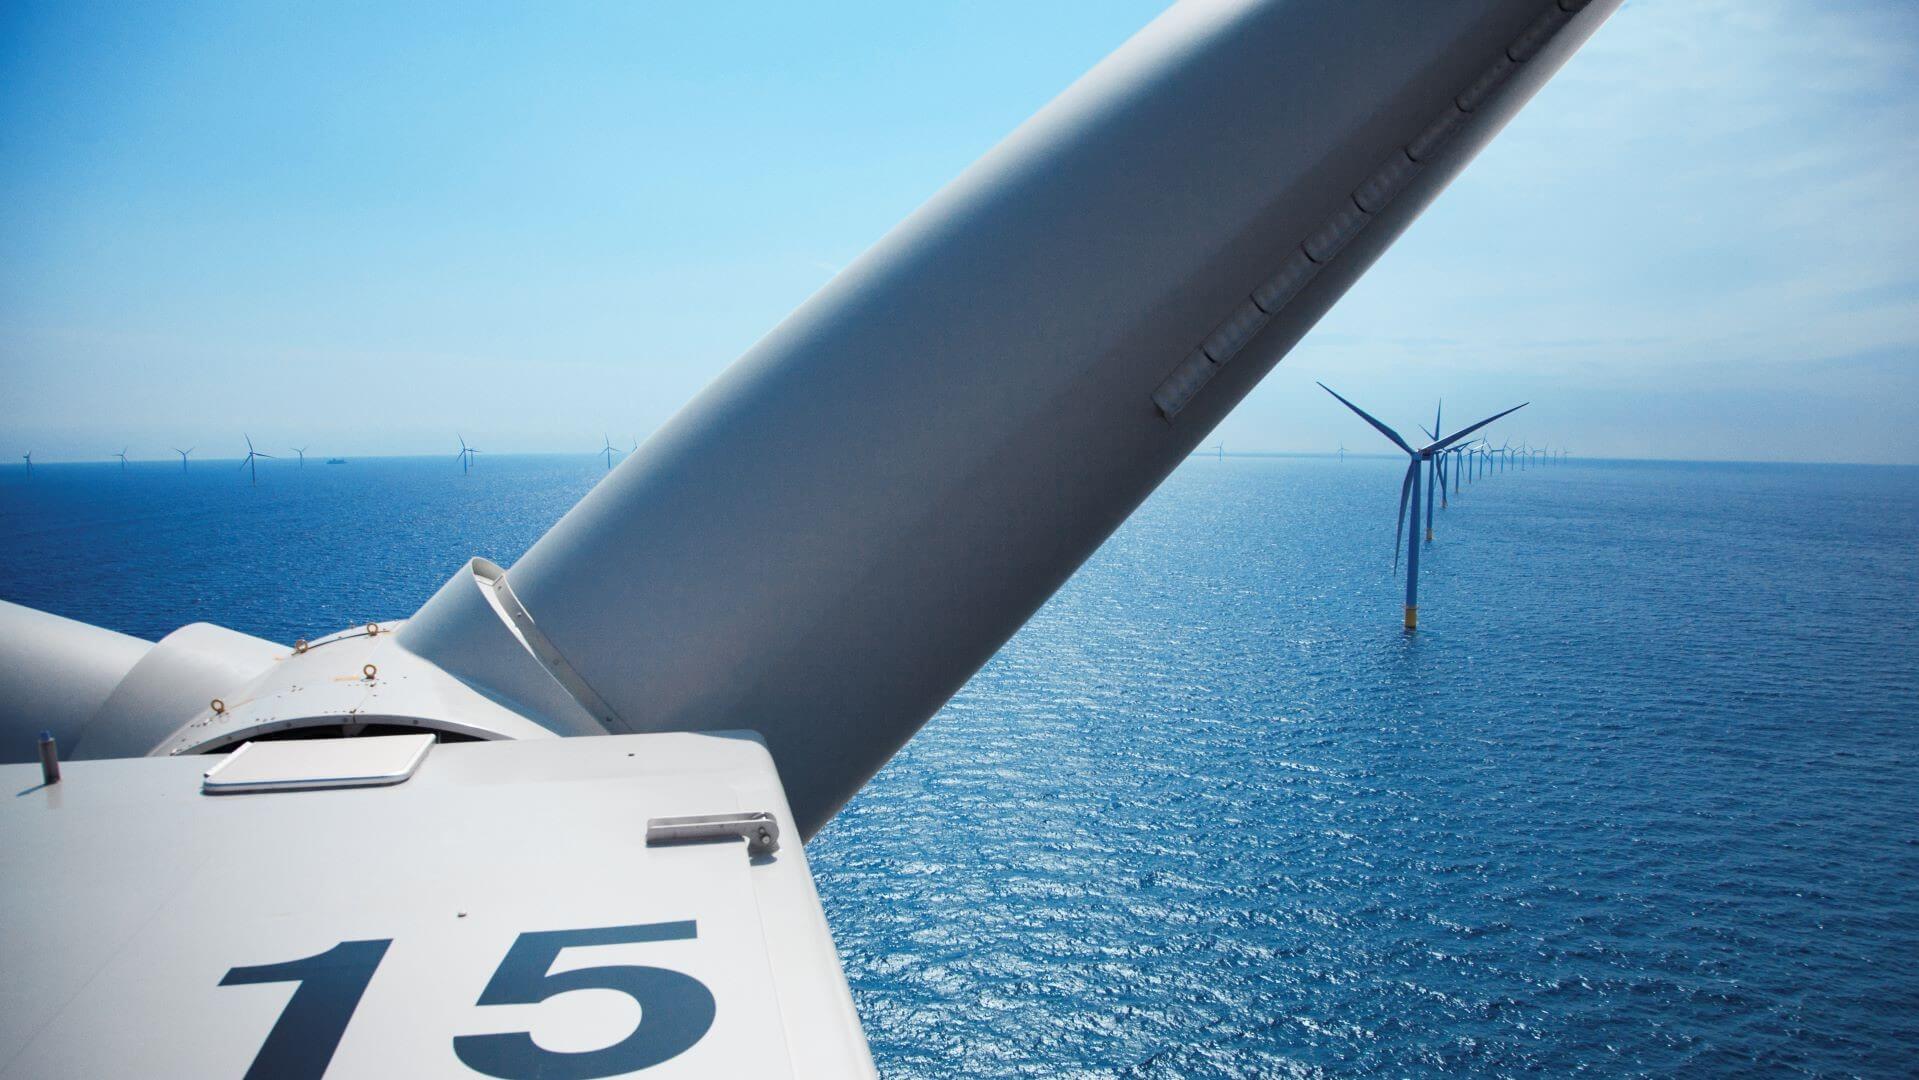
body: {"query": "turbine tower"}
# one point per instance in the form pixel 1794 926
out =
pixel 465 456
pixel 28 458
pixel 1425 455
pixel 608 450
pixel 248 464
pixel 183 456
pixel 302 451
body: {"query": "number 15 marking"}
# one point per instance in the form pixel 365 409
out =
pixel 676 1010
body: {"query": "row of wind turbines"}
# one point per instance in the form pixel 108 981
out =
pixel 1434 466
pixel 250 463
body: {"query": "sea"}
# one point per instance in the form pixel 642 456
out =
pixel 1639 798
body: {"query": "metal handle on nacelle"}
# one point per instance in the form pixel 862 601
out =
pixel 760 829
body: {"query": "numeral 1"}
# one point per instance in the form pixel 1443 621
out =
pixel 302 1041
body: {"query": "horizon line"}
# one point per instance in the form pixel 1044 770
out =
pixel 113 459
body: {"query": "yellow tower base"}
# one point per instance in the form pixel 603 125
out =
pixel 1412 618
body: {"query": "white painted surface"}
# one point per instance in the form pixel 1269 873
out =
pixel 309 764
pixel 54 675
pixel 129 895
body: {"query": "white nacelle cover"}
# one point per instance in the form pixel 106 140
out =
pixel 497 913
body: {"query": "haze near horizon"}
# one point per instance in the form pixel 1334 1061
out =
pixel 365 233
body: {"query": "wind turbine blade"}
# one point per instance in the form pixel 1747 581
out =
pixel 1363 415
pixel 1405 492
pixel 1463 432
pixel 263 455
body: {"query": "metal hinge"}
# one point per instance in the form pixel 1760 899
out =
pixel 759 828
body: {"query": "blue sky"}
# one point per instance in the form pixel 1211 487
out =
pixel 366 228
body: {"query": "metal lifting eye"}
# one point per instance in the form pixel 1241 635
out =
pixel 369 671
pixel 219 707
pixel 372 628
pixel 300 646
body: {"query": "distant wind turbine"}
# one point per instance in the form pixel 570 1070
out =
pixel 183 456
pixel 28 456
pixel 122 455
pixel 1409 487
pixel 1435 479
pixel 465 455
pixel 302 451
pixel 252 454
pixel 1342 453
pixel 608 450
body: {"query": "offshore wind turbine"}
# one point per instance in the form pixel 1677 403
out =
pixel 1435 478
pixel 183 456
pixel 1421 461
pixel 465 455
pixel 122 455
pixel 608 450
pixel 302 451
pixel 1342 453
pixel 252 454
pixel 28 457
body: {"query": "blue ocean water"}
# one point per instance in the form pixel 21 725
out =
pixel 1641 797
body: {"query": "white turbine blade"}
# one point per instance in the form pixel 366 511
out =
pixel 1463 432
pixel 1368 417
pixel 55 674
pixel 840 596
